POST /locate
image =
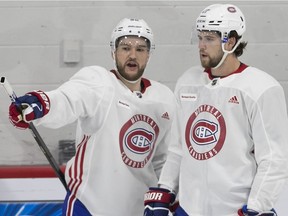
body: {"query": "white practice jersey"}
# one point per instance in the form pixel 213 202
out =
pixel 122 138
pixel 234 141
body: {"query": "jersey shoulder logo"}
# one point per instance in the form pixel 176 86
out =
pixel 233 99
pixel 165 116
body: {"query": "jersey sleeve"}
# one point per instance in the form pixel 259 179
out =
pixel 269 132
pixel 77 98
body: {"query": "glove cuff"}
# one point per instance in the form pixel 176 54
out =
pixel 43 99
pixel 159 195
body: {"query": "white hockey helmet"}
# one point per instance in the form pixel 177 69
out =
pixel 135 27
pixel 223 18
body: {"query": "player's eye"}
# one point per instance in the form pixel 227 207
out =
pixel 125 48
pixel 142 49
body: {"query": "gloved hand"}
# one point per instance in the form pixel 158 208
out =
pixel 31 106
pixel 157 202
pixel 249 212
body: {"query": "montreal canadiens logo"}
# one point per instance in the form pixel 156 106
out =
pixel 205 132
pixel 137 140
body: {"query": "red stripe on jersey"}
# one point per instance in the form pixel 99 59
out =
pixel 76 176
pixel 75 162
pixel 81 164
pixel 70 205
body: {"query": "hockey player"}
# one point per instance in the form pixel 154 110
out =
pixel 233 125
pixel 123 126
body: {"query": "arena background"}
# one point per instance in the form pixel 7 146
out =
pixel 43 43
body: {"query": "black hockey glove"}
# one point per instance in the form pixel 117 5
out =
pixel 158 201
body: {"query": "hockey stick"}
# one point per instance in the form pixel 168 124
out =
pixel 36 135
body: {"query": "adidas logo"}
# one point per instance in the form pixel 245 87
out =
pixel 165 115
pixel 233 100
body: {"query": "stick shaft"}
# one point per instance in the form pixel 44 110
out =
pixel 36 135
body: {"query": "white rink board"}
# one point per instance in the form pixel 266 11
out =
pixel 31 189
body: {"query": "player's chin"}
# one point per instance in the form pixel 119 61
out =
pixel 133 75
pixel 133 78
pixel 205 63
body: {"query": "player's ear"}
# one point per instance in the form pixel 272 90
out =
pixel 231 43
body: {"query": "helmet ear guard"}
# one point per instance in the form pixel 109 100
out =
pixel 132 27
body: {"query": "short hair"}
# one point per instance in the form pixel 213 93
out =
pixel 239 50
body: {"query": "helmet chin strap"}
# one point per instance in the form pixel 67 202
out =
pixel 226 52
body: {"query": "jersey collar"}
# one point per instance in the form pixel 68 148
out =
pixel 241 68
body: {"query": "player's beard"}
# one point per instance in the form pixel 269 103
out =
pixel 209 62
pixel 129 77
